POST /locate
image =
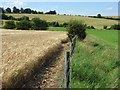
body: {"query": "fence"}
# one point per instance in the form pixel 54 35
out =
pixel 68 57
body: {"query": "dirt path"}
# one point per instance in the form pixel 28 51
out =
pixel 52 75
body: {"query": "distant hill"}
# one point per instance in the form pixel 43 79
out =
pixel 96 22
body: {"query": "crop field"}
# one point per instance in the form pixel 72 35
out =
pixel 23 50
pixel 62 18
pixel 95 62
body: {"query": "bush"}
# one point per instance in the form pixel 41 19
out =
pixel 65 24
pixel 38 24
pixel 104 27
pixel 23 25
pixel 9 25
pixel 76 27
pixel 115 26
pixel 6 17
pixel 24 18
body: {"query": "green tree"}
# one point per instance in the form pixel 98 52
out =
pixel 8 10
pixel 76 27
pixel 39 24
pixel 9 25
pixel 99 16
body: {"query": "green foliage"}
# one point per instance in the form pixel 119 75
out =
pixel 104 27
pixel 9 25
pixel 23 25
pixel 8 10
pixel 76 27
pixel 6 17
pixel 65 24
pixel 24 18
pixel 91 68
pixel 38 24
pixel 115 26
pixel 99 16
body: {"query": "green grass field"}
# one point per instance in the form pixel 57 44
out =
pixel 97 23
pixel 57 29
pixel 95 62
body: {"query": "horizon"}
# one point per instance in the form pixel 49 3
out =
pixel 69 8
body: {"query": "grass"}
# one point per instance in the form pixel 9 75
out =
pixel 109 36
pixel 62 18
pixel 57 29
pixel 95 64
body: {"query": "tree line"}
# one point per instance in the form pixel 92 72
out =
pixel 26 10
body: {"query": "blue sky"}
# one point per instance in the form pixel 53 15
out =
pixel 75 8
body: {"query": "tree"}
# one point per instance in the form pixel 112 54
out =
pixel 8 10
pixel 15 10
pixel 2 10
pixel 40 12
pixel 51 12
pixel 27 10
pixel 76 27
pixel 38 24
pixel 22 10
pixel 99 16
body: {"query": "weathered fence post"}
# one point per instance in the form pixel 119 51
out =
pixel 68 55
pixel 72 45
pixel 67 71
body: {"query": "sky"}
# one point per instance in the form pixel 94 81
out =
pixel 74 8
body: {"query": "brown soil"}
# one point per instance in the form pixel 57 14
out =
pixel 52 75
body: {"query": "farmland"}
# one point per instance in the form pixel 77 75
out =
pixel 64 18
pixel 95 62
pixel 23 51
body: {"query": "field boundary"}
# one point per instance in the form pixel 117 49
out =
pixel 68 57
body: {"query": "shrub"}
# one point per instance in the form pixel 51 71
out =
pixel 115 26
pixel 6 17
pixel 104 27
pixel 38 24
pixel 23 25
pixel 24 18
pixel 78 28
pixel 9 25
pixel 65 24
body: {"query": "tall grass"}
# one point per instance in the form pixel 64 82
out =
pixel 95 64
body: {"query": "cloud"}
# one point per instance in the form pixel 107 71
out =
pixel 15 3
pixel 109 8
pixel 18 3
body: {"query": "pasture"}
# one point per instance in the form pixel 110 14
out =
pixel 23 51
pixel 96 22
pixel 95 61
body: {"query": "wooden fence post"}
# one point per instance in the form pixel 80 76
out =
pixel 67 69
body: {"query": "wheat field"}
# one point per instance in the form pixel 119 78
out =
pixel 22 51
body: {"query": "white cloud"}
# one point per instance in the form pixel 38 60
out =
pixel 15 3
pixel 18 3
pixel 109 8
